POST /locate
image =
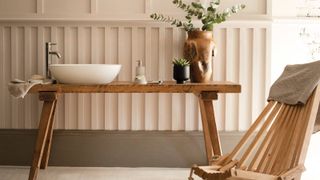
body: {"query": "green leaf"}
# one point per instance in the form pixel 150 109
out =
pixel 181 62
pixel 205 20
pixel 210 9
pixel 197 5
pixel 208 26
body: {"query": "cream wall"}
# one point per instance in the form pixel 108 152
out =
pixel 107 31
pixel 107 9
pixel 294 41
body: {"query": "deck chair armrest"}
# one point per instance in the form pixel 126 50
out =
pixel 219 160
pixel 292 173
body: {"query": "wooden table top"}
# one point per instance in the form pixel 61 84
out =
pixel 130 87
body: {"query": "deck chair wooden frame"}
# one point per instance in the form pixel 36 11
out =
pixel 273 148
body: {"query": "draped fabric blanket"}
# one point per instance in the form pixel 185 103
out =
pixel 296 84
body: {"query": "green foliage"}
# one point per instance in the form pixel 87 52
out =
pixel 208 16
pixel 181 62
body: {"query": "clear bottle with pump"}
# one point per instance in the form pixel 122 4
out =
pixel 140 74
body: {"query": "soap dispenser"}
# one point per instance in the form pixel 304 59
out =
pixel 140 74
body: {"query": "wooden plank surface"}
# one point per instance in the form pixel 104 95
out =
pixel 129 87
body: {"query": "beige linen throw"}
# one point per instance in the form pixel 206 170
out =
pixel 20 89
pixel 296 84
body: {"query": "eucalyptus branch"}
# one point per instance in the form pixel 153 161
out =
pixel 188 26
pixel 208 16
pixel 195 9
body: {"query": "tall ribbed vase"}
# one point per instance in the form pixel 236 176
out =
pixel 198 49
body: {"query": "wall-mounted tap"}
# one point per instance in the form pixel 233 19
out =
pixel 49 52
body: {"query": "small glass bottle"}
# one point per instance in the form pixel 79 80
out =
pixel 140 74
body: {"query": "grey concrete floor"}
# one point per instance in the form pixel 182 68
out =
pixel 102 173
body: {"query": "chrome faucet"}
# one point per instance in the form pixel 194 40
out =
pixel 49 52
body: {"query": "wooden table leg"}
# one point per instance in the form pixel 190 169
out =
pixel 47 148
pixel 211 136
pixel 49 100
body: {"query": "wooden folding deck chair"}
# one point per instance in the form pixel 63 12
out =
pixel 276 151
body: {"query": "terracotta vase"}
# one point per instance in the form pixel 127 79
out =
pixel 198 49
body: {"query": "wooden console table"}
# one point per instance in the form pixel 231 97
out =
pixel 206 92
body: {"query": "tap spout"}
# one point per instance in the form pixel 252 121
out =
pixel 49 52
pixel 55 53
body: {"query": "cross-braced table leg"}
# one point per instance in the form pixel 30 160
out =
pixel 43 143
pixel 47 149
pixel 211 136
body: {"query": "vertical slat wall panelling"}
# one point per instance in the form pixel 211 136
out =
pixel 122 106
pixel 178 100
pixel 71 57
pixel 47 37
pixel 231 74
pixel 142 56
pixel 242 57
pixel 191 113
pixel 34 59
pixel 124 58
pixel 21 74
pixel 149 101
pixel 57 36
pixel 266 65
pixel 67 98
pixel 257 74
pixel 244 77
pixel 163 114
pixel 27 74
pixel 81 97
pixel 87 60
pixel 14 74
pixel 40 64
pixel 94 96
pixel 153 73
pixel 41 51
pixel 191 103
pixel 7 75
pixel 183 98
pixel 267 60
pixel 137 103
pixel 107 58
pixel 219 67
pixel 72 49
pixel 112 99
pixel 2 79
pixel 52 60
pixel 165 122
pixel 100 47
pixel 134 97
pixel 264 68
pixel 236 77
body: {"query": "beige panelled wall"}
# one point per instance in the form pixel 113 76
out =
pixel 242 57
pixel 109 31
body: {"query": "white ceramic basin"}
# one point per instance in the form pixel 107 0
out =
pixel 85 74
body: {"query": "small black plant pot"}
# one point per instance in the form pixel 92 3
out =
pixel 181 73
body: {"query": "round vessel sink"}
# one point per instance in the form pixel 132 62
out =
pixel 86 74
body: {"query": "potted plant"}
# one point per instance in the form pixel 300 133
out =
pixel 181 70
pixel 199 46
